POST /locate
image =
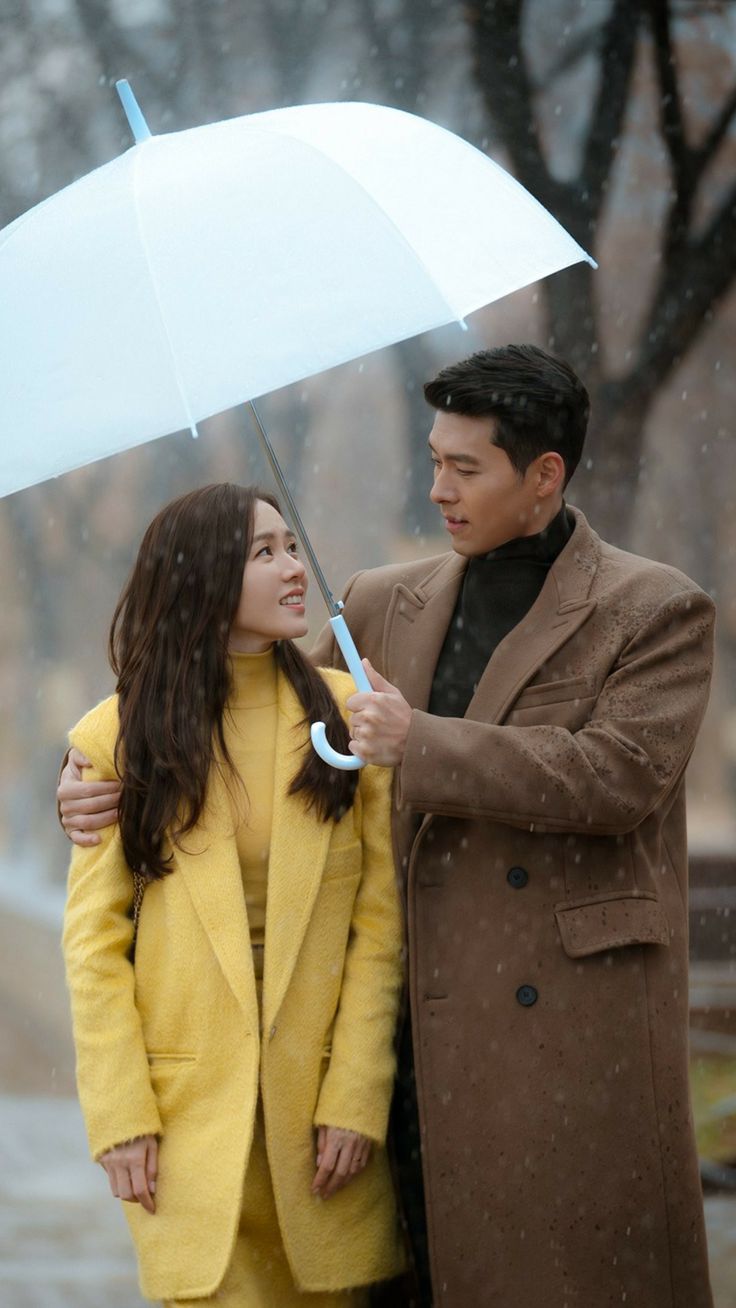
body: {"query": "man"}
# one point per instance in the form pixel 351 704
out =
pixel 538 692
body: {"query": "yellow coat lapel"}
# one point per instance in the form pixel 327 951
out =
pixel 210 867
pixel 299 845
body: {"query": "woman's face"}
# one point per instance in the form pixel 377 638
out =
pixel 274 586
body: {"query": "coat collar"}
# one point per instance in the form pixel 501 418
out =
pixel 210 867
pixel 299 848
pixel 418 619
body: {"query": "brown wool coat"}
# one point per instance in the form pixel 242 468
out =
pixel 542 839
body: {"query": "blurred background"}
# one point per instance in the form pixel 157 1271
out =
pixel 620 118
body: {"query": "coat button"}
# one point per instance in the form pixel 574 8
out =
pixel 272 1032
pixel 527 996
pixel 517 877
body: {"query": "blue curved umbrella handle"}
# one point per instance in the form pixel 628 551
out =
pixel 346 762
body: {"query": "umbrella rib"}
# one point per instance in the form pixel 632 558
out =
pixel 154 285
pixel 309 145
pixel 333 606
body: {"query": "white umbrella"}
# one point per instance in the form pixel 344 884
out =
pixel 203 268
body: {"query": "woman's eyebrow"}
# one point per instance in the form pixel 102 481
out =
pixel 272 535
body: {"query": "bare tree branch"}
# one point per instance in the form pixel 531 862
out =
pixel 505 84
pixel 616 65
pixel 718 132
pixel 672 120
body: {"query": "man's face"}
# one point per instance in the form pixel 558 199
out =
pixel 483 499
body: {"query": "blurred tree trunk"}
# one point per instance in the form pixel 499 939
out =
pixel 696 267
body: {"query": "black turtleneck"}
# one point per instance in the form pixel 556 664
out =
pixel 498 590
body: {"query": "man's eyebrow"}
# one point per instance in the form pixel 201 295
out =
pixel 458 458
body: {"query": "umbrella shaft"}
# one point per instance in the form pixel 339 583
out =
pixel 332 605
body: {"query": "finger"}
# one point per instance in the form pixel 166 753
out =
pixel 359 700
pixel 76 761
pixel 139 1186
pixel 341 1174
pixel 123 1188
pixel 325 1169
pixel 89 821
pixel 110 1174
pixel 321 1137
pixel 84 838
pixel 377 681
pixel 152 1164
pixel 88 796
pixel 360 1156
pixel 363 749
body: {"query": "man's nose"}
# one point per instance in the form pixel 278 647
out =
pixel 442 491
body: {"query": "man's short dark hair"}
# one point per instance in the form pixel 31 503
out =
pixel 538 402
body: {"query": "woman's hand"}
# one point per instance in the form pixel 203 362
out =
pixel 132 1168
pixel 341 1155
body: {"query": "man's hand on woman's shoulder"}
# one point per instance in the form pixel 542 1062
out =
pixel 85 807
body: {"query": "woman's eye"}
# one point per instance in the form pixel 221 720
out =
pixel 265 549
pixel 294 549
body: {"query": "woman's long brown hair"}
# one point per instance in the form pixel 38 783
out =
pixel 169 651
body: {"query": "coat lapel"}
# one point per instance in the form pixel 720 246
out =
pixel 562 606
pixel 416 626
pixel 418 619
pixel 210 867
pixel 299 846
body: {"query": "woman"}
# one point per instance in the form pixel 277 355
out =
pixel 234 1045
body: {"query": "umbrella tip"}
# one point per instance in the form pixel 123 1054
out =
pixel 138 125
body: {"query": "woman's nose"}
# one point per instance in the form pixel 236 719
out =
pixel 294 567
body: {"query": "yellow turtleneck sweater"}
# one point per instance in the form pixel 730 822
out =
pixel 250 733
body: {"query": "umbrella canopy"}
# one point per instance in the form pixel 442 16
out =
pixel 206 267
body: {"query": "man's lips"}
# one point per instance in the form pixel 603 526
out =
pixel 454 524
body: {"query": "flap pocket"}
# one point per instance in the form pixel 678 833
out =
pixel 170 1060
pixel 555 692
pixel 592 926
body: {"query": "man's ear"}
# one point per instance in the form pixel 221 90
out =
pixel 550 474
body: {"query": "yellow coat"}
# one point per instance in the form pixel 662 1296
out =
pixel 172 1046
